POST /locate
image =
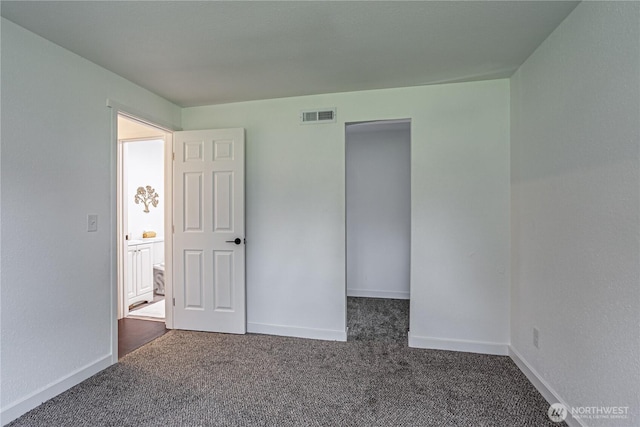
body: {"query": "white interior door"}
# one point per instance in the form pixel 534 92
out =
pixel 208 239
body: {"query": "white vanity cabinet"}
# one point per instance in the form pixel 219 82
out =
pixel 139 275
pixel 158 251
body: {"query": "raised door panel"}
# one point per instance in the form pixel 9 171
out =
pixel 193 202
pixel 223 203
pixel 223 276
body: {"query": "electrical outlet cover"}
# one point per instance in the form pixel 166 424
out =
pixel 92 222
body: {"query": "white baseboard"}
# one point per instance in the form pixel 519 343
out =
pixel 298 332
pixel 370 293
pixel 458 345
pixel 542 386
pixel 25 404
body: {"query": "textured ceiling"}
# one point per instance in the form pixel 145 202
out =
pixel 205 52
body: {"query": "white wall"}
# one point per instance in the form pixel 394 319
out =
pixel 295 213
pixel 145 166
pixel 576 209
pixel 58 165
pixel 378 193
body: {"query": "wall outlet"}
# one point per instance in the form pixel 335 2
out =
pixel 536 335
pixel 92 222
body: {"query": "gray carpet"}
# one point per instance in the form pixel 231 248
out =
pixel 205 379
pixel 376 319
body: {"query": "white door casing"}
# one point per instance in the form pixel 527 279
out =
pixel 209 267
pixel 125 256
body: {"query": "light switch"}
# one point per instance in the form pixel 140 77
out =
pixel 92 222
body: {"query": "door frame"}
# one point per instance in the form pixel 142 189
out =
pixel 123 209
pixel 117 237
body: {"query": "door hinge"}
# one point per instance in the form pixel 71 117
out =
pixel 126 237
pixel 173 229
pixel 173 156
pixel 174 302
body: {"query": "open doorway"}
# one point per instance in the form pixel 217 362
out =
pixel 378 229
pixel 141 199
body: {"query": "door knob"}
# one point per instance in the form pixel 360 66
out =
pixel 237 241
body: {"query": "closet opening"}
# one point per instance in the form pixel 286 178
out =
pixel 378 229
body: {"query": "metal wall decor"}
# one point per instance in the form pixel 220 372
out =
pixel 146 195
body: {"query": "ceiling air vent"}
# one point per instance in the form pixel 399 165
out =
pixel 324 115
